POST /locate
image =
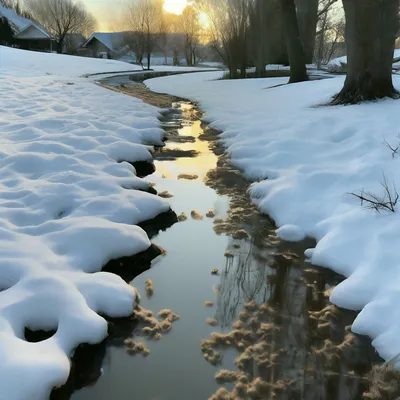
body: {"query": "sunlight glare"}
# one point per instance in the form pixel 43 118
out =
pixel 175 6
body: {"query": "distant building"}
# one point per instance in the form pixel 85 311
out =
pixel 27 34
pixel 103 44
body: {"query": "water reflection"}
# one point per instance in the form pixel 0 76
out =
pixel 309 352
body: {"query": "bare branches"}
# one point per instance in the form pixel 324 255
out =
pixel 394 150
pixel 61 17
pixel 145 19
pixel 385 202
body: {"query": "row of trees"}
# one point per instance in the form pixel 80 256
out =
pixel 241 30
pixel 149 26
pixel 255 32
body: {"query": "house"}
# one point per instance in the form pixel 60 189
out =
pixel 103 44
pixel 27 34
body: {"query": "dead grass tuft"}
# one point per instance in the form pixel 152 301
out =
pixel 212 321
pixel 209 303
pixel 196 215
pixel 149 288
pixel 210 214
pixel 188 177
pixel 183 217
pixel 134 348
pixel 165 195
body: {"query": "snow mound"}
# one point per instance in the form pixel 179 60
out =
pixel 313 158
pixel 69 203
pixel 291 233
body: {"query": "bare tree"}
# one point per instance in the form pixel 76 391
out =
pixel 329 34
pixel 146 20
pixel 371 31
pixel 61 17
pixel 190 27
pixel 136 43
pixel 229 28
pixel 297 57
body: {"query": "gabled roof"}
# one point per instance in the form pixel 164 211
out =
pixel 112 40
pixel 21 24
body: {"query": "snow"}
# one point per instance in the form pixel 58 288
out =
pixel 305 160
pixel 291 233
pixel 341 62
pixel 35 64
pixel 69 203
pixel 112 40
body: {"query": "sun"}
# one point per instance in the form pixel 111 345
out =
pixel 175 6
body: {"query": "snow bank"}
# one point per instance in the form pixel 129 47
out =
pixel 313 157
pixel 69 203
pixel 339 64
pixel 38 64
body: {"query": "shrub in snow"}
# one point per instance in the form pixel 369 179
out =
pixel 386 201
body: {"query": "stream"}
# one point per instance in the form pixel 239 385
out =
pixel 229 259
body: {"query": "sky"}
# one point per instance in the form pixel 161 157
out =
pixel 107 12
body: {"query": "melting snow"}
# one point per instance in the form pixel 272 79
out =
pixel 69 203
pixel 313 157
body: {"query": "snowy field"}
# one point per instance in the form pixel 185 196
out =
pixel 313 158
pixel 69 203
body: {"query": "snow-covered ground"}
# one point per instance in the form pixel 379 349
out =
pixel 340 63
pixel 313 158
pixel 69 203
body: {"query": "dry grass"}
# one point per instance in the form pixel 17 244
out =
pixel 196 215
pixel 210 214
pixel 152 327
pixel 188 177
pixel 218 221
pixel 240 234
pixel 165 195
pixel 149 288
pixel 212 321
pixel 134 348
pixel 385 383
pixel 182 217
pixel 140 91
pixel 209 303
pixel 229 254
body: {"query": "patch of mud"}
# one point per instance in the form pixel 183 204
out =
pixel 140 91
pixel 167 154
pixel 180 139
pixel 188 177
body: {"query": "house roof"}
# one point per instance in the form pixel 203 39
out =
pixel 22 26
pixel 112 40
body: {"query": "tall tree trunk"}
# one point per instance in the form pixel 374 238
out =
pixel 307 16
pixel 297 60
pixel 148 59
pixel 60 45
pixel 371 29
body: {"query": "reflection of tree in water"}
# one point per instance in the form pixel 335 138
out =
pixel 243 279
pixel 295 344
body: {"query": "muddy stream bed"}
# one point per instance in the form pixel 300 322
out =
pixel 227 268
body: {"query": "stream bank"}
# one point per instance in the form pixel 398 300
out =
pixel 311 355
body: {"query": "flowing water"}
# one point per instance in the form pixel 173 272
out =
pixel 312 354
